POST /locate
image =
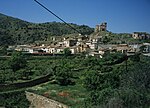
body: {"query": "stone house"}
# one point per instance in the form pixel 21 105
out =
pixel 83 48
pixel 123 48
pixel 93 42
pixel 70 42
pixel 107 46
pixel 140 35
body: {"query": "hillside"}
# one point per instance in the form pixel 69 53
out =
pixel 16 31
pixel 118 38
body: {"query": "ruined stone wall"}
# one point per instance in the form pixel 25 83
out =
pixel 101 27
pixel 38 101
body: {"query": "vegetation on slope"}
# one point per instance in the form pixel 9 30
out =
pixel 14 99
pixel 16 31
pixel 97 83
pixel 118 38
pixel 86 81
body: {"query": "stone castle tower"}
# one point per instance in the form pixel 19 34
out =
pixel 101 27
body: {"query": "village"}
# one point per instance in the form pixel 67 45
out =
pixel 90 45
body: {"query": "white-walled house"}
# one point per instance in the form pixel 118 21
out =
pixel 45 49
pixel 59 49
pixel 35 50
pixel 25 48
pixel 95 54
pixel 60 44
pixel 74 50
pixel 92 45
pixel 52 49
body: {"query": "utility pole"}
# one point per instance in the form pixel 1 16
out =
pixel 126 61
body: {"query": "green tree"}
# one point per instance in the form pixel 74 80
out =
pixel 136 57
pixel 98 81
pixel 63 74
pixel 5 39
pixel 3 50
pixel 17 61
pixel 2 76
pixel 67 52
pixel 106 39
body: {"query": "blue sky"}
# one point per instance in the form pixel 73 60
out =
pixel 121 15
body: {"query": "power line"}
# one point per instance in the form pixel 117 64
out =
pixel 57 16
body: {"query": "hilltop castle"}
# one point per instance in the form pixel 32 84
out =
pixel 101 27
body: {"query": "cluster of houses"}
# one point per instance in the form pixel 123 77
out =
pixel 140 35
pixel 92 45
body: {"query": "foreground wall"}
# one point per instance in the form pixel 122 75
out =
pixel 38 101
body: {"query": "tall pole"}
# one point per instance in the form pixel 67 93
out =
pixel 126 61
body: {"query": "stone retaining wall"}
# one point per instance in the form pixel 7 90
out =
pixel 38 101
pixel 14 86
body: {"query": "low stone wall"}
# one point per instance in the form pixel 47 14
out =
pixel 14 86
pixel 38 101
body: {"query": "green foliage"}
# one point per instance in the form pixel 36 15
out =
pixel 117 38
pixel 106 82
pixel 17 61
pixel 99 98
pixel 138 76
pixel 133 98
pixel 3 51
pixel 99 81
pixel 91 61
pixel 114 58
pixel 105 39
pixel 15 99
pixel 16 31
pixel 136 57
pixel 63 74
pixel 67 52
pixel 119 88
pixel 5 38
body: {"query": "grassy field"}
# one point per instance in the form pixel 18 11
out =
pixel 71 95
